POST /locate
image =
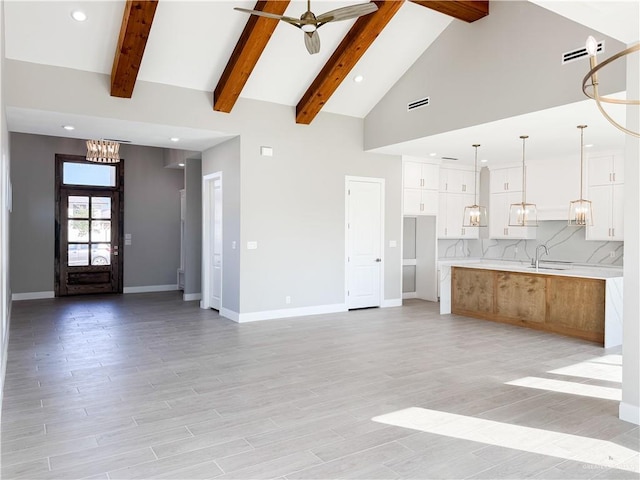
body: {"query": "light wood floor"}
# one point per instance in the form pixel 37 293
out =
pixel 149 386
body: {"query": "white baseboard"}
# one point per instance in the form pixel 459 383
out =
pixel 230 314
pixel 407 295
pixel 629 413
pixel 289 312
pixel 150 288
pixel 32 295
pixel 187 297
pixel 393 302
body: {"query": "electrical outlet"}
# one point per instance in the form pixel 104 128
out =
pixel 612 254
pixel 287 299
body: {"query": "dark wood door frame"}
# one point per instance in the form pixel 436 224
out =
pixel 61 192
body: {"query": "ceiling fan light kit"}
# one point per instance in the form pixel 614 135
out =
pixel 309 23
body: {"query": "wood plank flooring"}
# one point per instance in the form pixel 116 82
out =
pixel 149 386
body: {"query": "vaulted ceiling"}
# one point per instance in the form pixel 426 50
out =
pixel 207 46
pixel 138 18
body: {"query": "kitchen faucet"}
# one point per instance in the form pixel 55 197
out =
pixel 535 262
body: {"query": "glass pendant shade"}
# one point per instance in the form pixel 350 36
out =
pixel 580 213
pixel 475 215
pixel 523 214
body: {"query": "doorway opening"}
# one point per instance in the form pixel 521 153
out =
pixel 88 227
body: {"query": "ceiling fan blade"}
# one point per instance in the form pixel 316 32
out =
pixel 260 13
pixel 345 13
pixel 312 42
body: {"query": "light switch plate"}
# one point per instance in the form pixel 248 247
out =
pixel 252 245
pixel 393 244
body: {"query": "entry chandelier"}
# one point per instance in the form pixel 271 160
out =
pixel 580 211
pixel 590 82
pixel 475 215
pixel 103 151
pixel 523 214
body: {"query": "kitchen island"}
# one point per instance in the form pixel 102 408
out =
pixel 579 301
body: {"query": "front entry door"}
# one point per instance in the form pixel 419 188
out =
pixel 88 229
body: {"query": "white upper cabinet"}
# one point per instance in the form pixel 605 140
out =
pixel 507 179
pixel 456 192
pixel 420 188
pixel 605 170
pixel 505 185
pixel 605 179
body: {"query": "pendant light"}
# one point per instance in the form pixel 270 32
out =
pixel 580 211
pixel 475 215
pixel 523 214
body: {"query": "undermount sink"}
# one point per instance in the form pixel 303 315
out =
pixel 548 268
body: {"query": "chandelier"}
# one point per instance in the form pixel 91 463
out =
pixel 590 82
pixel 103 151
pixel 475 215
pixel 523 214
pixel 580 211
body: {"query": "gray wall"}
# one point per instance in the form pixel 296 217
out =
pixel 506 64
pixel 293 205
pixel 225 158
pixel 152 213
pixel 193 228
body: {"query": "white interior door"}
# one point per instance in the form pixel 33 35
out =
pixel 365 200
pixel 216 242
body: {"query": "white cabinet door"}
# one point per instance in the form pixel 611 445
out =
pixel 451 216
pixel 412 174
pixel 617 215
pixel 601 204
pixel 505 180
pixel 412 201
pixel 442 215
pixel 607 203
pixel 605 170
pixel 430 176
pixel 499 217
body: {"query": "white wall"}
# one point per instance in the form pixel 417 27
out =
pixel 193 230
pixel 630 405
pixel 5 182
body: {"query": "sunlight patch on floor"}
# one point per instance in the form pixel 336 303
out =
pixel 534 440
pixel 573 388
pixel 593 369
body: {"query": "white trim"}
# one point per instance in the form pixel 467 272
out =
pixel 381 182
pixel 409 262
pixel 393 302
pixel 32 295
pixel 288 313
pixel 409 295
pixel 150 288
pixel 230 314
pixel 207 181
pixel 629 413
pixel 188 297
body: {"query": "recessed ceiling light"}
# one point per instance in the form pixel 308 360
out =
pixel 484 160
pixel 589 145
pixel 174 139
pixel 69 127
pixel 78 15
pixel 181 164
pixel 358 78
pixel 433 154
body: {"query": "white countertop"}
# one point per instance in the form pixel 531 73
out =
pixel 545 268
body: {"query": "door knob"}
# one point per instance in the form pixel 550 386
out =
pixel 378 259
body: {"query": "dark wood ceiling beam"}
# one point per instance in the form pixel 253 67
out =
pixel 363 33
pixel 466 10
pixel 245 56
pixel 134 32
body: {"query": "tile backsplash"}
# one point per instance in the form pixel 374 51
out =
pixel 565 243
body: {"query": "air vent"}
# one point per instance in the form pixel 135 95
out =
pixel 449 158
pixel 117 140
pixel 580 53
pixel 423 102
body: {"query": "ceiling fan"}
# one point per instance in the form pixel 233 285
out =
pixel 309 23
